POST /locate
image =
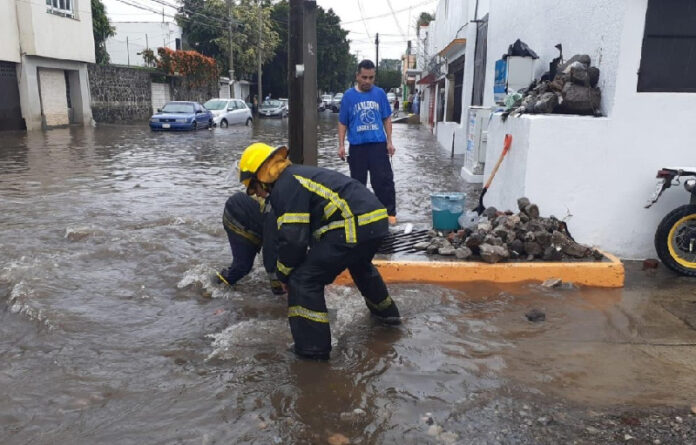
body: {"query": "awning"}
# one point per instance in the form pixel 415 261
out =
pixel 453 46
pixel 427 80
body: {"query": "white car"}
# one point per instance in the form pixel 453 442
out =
pixel 325 102
pixel 229 112
pixel 336 102
pixel 391 97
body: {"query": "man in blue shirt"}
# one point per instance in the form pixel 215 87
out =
pixel 366 117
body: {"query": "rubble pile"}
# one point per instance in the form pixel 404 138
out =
pixel 501 236
pixel 572 90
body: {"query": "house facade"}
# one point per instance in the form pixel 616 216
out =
pixel 125 47
pixel 43 78
pixel 595 172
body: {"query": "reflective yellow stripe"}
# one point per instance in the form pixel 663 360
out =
pixel 329 210
pixel 376 215
pixel 241 232
pixel 336 200
pixel 330 226
pixel 381 305
pixel 282 268
pixel 299 218
pixel 299 311
pixel 219 275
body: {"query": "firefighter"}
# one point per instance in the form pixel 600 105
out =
pixel 326 222
pixel 247 222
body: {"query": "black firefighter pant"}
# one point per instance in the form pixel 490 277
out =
pixel 374 158
pixel 243 255
pixel 309 320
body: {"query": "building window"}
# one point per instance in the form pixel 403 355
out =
pixel 669 42
pixel 61 7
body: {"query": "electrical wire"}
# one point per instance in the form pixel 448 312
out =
pixel 427 2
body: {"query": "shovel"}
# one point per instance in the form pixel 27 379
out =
pixel 506 148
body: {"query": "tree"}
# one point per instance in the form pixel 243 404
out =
pixel 388 79
pixel 102 30
pixel 424 19
pixel 335 65
pixel 390 64
pixel 205 26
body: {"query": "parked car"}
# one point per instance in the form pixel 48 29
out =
pixel 229 112
pixel 273 108
pixel 325 102
pixel 286 103
pixel 181 116
pixel 391 97
pixel 336 102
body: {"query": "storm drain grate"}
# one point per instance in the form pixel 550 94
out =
pixel 402 242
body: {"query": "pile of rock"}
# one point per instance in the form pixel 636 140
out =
pixel 573 90
pixel 501 236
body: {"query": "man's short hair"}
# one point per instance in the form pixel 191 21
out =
pixel 366 64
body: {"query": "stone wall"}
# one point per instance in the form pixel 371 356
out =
pixel 120 94
pixel 181 90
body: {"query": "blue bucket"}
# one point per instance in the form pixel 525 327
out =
pixel 447 208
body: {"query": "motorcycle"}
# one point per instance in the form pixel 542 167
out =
pixel 675 238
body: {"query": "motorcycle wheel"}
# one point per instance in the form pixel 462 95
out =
pixel 675 240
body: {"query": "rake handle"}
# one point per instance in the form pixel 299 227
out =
pixel 506 148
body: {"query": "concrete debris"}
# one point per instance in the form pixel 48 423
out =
pixel 552 282
pixel 535 316
pixel 573 90
pixel 511 236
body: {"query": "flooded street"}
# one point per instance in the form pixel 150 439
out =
pixel 111 331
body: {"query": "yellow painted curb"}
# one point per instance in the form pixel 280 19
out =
pixel 597 274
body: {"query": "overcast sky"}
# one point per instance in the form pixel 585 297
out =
pixel 394 20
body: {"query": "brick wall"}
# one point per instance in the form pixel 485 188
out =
pixel 119 94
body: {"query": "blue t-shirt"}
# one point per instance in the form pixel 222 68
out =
pixel 363 114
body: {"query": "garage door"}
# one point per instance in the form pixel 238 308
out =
pixel 160 95
pixel 10 111
pixel 54 97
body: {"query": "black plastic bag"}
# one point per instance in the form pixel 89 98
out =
pixel 519 48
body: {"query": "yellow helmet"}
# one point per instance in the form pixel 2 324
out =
pixel 252 159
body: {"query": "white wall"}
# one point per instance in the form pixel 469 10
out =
pixel 133 37
pixel 590 27
pixel 9 32
pixel 600 170
pixel 49 35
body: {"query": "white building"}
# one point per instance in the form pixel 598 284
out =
pixel 125 47
pixel 595 172
pixel 45 49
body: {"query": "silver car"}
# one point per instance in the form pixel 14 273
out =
pixel 229 112
pixel 336 102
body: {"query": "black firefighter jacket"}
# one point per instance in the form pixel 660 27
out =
pixel 312 204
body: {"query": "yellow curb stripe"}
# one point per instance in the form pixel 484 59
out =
pixel 596 274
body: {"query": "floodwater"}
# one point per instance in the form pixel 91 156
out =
pixel 112 332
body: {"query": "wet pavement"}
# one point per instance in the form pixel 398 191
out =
pixel 111 331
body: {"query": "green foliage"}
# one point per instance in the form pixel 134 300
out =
pixel 205 28
pixel 388 79
pixel 102 30
pixel 424 19
pixel 335 64
pixel 390 64
pixel 149 57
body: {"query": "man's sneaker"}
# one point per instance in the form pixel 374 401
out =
pixel 392 220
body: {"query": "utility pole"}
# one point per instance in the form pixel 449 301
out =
pixel 258 50
pixel 128 50
pixel 302 81
pixel 230 5
pixel 376 55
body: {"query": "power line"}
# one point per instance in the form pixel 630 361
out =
pixel 427 2
pixel 367 31
pixel 396 20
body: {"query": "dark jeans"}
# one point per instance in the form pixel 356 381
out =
pixel 374 158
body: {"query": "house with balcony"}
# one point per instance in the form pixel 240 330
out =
pixel 43 63
pixel 595 172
